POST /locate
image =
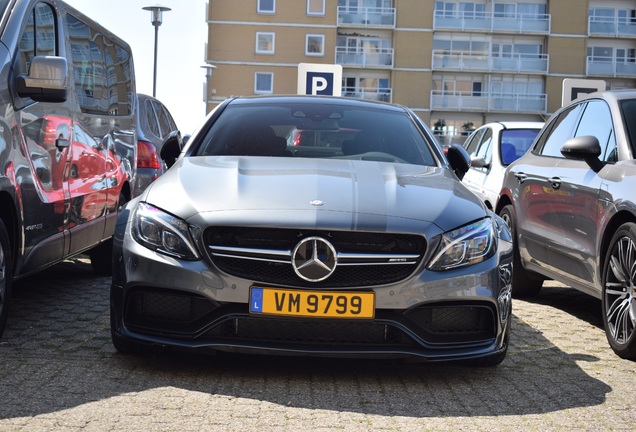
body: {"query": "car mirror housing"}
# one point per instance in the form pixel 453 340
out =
pixel 459 160
pixel 46 81
pixel 479 162
pixel 585 148
pixel 171 148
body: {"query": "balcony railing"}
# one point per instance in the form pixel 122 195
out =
pixel 472 61
pixel 364 57
pixel 608 66
pixel 611 26
pixel 377 94
pixel 491 21
pixel 486 102
pixel 366 16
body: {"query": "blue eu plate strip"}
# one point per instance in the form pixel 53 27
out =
pixel 256 300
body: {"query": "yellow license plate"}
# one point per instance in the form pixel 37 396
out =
pixel 320 304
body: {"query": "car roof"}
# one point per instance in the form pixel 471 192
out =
pixel 516 124
pixel 609 95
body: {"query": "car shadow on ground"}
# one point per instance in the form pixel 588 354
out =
pixel 56 354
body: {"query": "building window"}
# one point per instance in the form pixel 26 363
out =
pixel 315 7
pixel 265 43
pixel 263 82
pixel 315 45
pixel 266 6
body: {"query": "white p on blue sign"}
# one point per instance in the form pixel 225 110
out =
pixel 319 79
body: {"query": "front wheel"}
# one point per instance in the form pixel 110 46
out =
pixel 619 292
pixel 524 283
pixel 5 276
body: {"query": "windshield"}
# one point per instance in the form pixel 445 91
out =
pixel 317 130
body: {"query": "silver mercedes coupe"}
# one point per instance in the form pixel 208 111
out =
pixel 361 241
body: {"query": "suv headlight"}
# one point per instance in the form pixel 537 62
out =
pixel 162 232
pixel 468 245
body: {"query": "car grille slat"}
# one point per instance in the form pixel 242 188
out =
pixel 265 255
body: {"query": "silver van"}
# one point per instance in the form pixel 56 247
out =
pixel 67 138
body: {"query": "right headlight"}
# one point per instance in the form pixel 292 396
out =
pixel 162 232
pixel 468 245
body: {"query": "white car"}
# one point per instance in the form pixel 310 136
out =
pixel 492 147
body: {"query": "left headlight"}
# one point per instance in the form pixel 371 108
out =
pixel 162 232
pixel 468 245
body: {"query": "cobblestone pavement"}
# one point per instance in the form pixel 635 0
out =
pixel 59 371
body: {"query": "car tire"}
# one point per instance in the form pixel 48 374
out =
pixel 6 276
pixel 524 282
pixel 618 295
pixel 102 255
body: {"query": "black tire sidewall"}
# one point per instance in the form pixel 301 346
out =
pixel 8 276
pixel 628 349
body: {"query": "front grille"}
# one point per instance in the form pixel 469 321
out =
pixel 309 333
pixel 163 310
pixel 456 323
pixel 264 255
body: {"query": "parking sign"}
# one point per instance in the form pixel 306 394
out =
pixel 574 88
pixel 319 79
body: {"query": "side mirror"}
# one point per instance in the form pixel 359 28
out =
pixel 46 81
pixel 478 162
pixel 585 148
pixel 171 148
pixel 458 159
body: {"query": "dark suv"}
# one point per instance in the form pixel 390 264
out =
pixel 154 123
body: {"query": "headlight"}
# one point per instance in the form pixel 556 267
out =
pixel 470 244
pixel 162 232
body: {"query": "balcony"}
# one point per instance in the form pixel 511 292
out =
pixel 491 22
pixel 612 27
pixel 608 66
pixel 376 17
pixel 483 62
pixel 376 94
pixel 364 57
pixel 485 102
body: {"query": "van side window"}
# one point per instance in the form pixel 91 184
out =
pixel 102 71
pixel 39 37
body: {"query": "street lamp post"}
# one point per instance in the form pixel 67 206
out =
pixel 208 74
pixel 156 19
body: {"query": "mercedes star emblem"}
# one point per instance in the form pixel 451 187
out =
pixel 314 259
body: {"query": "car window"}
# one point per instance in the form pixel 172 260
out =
pixel 473 141
pixel 151 118
pixel 485 147
pixel 597 121
pixel 264 130
pixel 560 130
pixel 515 142
pixel 162 117
pixel 628 110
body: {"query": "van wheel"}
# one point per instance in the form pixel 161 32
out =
pixel 524 283
pixel 5 276
pixel 102 256
pixel 619 292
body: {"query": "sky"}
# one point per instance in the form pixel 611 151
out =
pixel 181 50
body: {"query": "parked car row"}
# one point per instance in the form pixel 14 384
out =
pixel 570 203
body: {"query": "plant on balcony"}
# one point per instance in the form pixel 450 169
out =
pixel 438 127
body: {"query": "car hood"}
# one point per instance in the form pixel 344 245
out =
pixel 302 192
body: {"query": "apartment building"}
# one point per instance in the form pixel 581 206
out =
pixel 457 63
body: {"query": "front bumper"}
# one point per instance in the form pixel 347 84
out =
pixel 453 315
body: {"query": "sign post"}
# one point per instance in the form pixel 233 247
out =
pixel 319 79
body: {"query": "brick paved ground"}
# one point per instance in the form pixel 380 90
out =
pixel 59 371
